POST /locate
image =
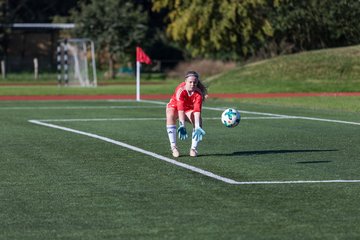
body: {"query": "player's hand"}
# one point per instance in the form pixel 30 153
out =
pixel 182 132
pixel 198 134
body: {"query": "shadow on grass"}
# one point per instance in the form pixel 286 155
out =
pixel 309 162
pixel 264 152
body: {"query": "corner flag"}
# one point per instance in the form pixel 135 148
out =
pixel 141 57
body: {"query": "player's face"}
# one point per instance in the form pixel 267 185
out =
pixel 190 83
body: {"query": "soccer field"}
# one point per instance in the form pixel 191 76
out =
pixel 104 170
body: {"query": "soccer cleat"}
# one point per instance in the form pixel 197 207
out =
pixel 193 152
pixel 175 152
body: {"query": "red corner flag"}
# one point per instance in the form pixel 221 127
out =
pixel 141 56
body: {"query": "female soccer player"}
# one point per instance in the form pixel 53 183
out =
pixel 185 105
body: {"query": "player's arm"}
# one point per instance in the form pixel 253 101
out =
pixel 197 119
pixel 181 109
pixel 181 113
pixel 197 111
pixel 198 131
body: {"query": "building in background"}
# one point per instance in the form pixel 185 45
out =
pixel 27 41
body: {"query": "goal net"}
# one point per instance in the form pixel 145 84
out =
pixel 76 62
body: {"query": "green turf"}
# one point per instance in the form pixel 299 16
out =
pixel 327 70
pixel 61 185
pixel 338 104
pixel 129 89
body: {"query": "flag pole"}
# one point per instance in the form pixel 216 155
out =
pixel 138 65
pixel 141 57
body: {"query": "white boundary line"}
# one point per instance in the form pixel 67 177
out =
pixel 138 119
pixel 184 165
pixel 198 170
pixel 271 114
pixel 279 116
pixel 290 117
pixel 136 149
pixel 76 107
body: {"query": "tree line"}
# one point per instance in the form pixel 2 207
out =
pixel 241 29
pixel 218 29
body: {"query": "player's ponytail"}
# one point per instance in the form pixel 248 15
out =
pixel 200 85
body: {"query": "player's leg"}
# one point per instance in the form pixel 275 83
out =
pixel 171 117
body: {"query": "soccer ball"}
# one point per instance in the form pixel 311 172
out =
pixel 230 118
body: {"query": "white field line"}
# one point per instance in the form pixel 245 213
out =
pixel 271 114
pixel 101 119
pixel 76 107
pixel 289 116
pixel 184 165
pixel 136 149
pixel 280 116
pixel 140 119
pixel 297 182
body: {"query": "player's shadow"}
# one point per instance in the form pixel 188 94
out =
pixel 264 152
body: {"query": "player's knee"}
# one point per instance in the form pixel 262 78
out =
pixel 171 116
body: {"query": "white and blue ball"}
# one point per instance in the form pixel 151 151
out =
pixel 230 118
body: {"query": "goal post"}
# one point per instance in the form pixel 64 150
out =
pixel 76 63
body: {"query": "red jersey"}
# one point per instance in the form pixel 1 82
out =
pixel 182 100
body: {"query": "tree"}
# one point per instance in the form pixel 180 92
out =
pixel 315 24
pixel 3 29
pixel 231 27
pixel 115 25
pixel 39 11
